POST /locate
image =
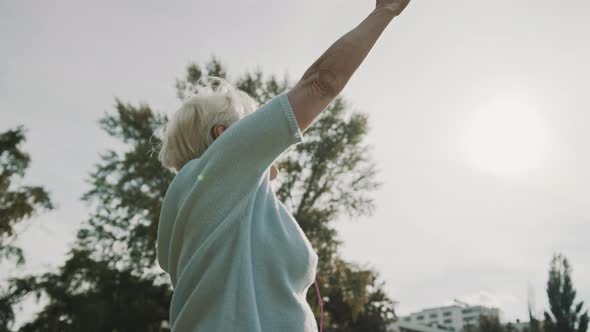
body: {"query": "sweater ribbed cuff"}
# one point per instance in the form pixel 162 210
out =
pixel 296 133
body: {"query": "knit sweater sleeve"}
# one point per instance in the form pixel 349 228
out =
pixel 237 160
pixel 217 185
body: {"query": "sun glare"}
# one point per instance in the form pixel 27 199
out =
pixel 506 136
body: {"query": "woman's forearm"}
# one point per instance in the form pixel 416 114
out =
pixel 333 69
pixel 328 75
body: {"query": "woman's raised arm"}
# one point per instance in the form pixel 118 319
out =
pixel 328 75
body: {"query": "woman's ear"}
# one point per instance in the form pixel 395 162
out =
pixel 274 171
pixel 217 130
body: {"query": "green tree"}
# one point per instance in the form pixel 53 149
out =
pixel 565 315
pixel 113 261
pixel 109 280
pixel 16 205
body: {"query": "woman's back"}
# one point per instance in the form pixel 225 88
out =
pixel 237 259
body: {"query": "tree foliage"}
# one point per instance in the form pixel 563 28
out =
pixel 111 272
pixel 88 295
pixel 566 315
pixel 16 206
pixel 109 280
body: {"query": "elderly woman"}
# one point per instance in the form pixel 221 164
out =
pixel 237 259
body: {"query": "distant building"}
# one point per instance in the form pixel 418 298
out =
pixel 449 318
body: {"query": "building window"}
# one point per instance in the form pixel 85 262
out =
pixel 421 317
pixel 448 321
pixel 448 313
pixel 408 319
pixel 466 311
pixel 433 315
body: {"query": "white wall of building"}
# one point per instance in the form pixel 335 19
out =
pixel 455 317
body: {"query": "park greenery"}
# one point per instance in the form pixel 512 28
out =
pixel 110 281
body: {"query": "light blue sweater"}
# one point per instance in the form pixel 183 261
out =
pixel 237 259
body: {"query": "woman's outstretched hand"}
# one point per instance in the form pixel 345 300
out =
pixel 395 6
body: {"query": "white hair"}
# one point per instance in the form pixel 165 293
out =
pixel 188 133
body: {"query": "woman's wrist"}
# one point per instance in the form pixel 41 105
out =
pixel 385 11
pixel 393 8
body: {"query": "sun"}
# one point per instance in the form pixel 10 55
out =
pixel 506 136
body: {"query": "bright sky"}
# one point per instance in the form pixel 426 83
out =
pixel 478 114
